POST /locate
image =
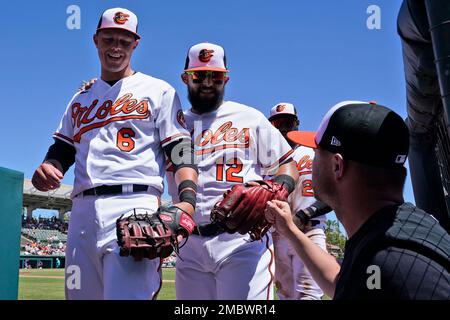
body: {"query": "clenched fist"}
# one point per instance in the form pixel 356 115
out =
pixel 48 176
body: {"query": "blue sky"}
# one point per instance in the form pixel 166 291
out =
pixel 311 53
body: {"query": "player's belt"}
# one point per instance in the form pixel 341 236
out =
pixel 116 189
pixel 208 230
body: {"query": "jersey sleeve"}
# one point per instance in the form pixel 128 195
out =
pixel 272 149
pixel 65 130
pixel 170 119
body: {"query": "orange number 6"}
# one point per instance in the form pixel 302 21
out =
pixel 124 139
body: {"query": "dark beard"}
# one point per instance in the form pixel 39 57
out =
pixel 204 105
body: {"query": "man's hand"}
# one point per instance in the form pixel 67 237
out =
pixel 47 176
pixel 279 214
pixel 322 266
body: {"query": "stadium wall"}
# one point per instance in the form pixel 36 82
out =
pixel 11 198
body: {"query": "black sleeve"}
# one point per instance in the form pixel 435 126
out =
pixel 181 154
pixel 63 152
pixel 406 274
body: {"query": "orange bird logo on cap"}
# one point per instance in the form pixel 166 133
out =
pixel 205 55
pixel 120 17
pixel 280 107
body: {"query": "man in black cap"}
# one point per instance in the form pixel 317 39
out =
pixel 395 250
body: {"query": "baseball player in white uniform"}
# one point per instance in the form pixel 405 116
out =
pixel 233 144
pixel 116 132
pixel 292 278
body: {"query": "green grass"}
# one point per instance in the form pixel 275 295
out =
pixel 169 274
pixel 41 289
pixel 49 288
pixel 53 288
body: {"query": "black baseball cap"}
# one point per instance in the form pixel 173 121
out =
pixel 365 132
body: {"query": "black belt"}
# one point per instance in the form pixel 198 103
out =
pixel 208 230
pixel 111 190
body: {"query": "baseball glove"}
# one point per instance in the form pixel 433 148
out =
pixel 242 209
pixel 153 236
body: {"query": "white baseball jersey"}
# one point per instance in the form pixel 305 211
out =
pixel 303 195
pixel 118 131
pixel 234 144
